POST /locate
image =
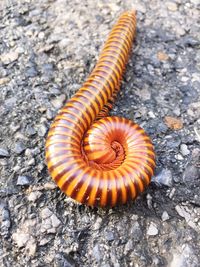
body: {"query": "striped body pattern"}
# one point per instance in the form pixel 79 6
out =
pixel 96 159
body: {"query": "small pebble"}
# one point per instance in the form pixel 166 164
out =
pixel 182 212
pixel 24 180
pixel 9 57
pixel 149 201
pixel 144 94
pixel 4 153
pixel 136 232
pixel 58 101
pixel 184 150
pixel 4 80
pixel 55 221
pixel 179 157
pixel 31 72
pixel 196 154
pixel 41 35
pixel 140 7
pixel 152 230
pixel 174 123
pixel 19 148
pixel 195 2
pixel 30 131
pixel 97 253
pixel 42 130
pixel 33 196
pixel 165 216
pixel 162 56
pixel 31 162
pixel 171 6
pixel 151 114
pixel 109 236
pixel 129 246
pixel 20 238
pixel 49 114
pixel 184 256
pixel 49 186
pixel 164 177
pixel 44 241
pixel 5 221
pixel 191 175
pixel 97 224
pixel 46 213
pixel 46 48
pixel 31 247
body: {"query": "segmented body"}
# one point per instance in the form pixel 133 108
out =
pixel 96 159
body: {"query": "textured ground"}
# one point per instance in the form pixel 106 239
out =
pixel 47 49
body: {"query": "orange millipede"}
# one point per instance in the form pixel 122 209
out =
pixel 96 159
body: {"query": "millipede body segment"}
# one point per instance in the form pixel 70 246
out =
pixel 96 159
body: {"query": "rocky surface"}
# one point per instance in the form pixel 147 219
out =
pixel 47 50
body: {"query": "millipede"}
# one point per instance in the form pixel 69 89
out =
pixel 96 159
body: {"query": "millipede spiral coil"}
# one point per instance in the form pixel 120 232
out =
pixel 96 159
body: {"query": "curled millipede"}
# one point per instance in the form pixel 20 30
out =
pixel 96 159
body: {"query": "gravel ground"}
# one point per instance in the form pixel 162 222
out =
pixel 47 50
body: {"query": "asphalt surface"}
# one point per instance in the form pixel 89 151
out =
pixel 47 49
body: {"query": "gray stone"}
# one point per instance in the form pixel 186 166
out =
pixel 152 230
pixel 49 186
pixel 196 155
pixel 195 2
pixel 4 153
pixel 31 247
pixel 20 238
pixel 65 260
pixel 9 57
pixel 184 150
pixel 24 180
pixel 5 215
pixel 30 131
pixel 190 40
pixel 19 148
pixel 49 114
pixel 97 252
pixel 165 216
pixel 140 7
pixel 171 6
pixel 191 174
pixel 173 143
pixel 164 177
pixel 33 196
pixel 31 72
pixel 42 130
pixel 58 101
pixel 162 128
pixel 144 94
pixel 46 213
pixel 110 236
pixel 4 80
pixel 47 227
pixel 55 221
pixel 44 241
pixel 31 162
pixel 5 221
pixel 129 246
pixel 184 256
pixel 3 72
pixel 136 232
pixel 182 212
pixel 47 67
